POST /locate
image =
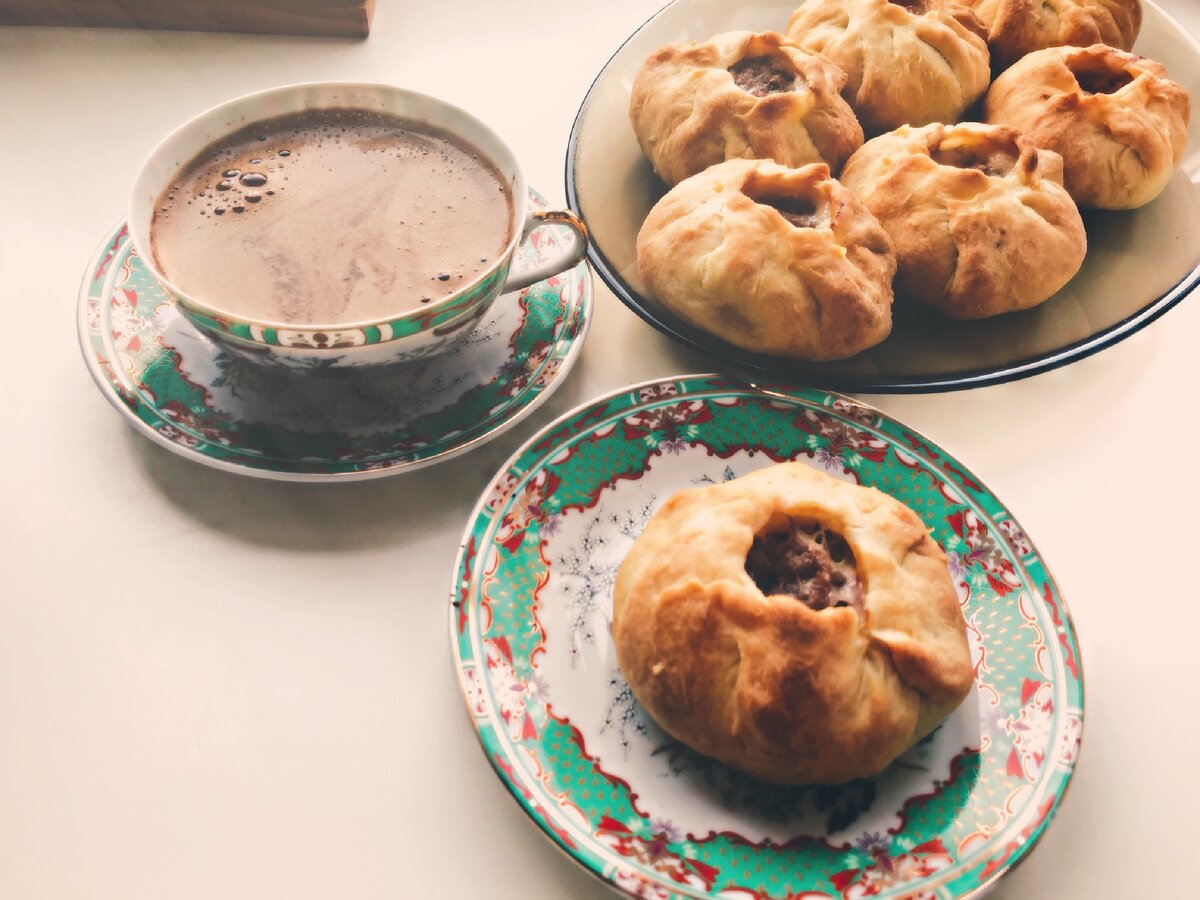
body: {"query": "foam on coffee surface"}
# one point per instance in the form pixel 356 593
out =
pixel 328 217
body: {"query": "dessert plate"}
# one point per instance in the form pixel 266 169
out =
pixel 1139 263
pixel 182 391
pixel 529 620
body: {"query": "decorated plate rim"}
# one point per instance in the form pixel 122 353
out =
pixel 1009 853
pixel 961 380
pixel 111 390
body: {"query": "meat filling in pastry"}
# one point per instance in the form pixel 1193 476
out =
pixel 1118 122
pixel 740 95
pixel 760 75
pixel 991 158
pixel 799 212
pixel 805 560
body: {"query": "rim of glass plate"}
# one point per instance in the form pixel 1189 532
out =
pixel 781 392
pixel 965 379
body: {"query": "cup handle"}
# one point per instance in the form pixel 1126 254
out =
pixel 563 259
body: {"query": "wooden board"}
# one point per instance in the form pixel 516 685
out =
pixel 332 18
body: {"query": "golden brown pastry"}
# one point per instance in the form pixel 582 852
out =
pixel 980 225
pixel 740 95
pixel 1118 122
pixel 907 61
pixel 798 628
pixel 1018 27
pixel 772 259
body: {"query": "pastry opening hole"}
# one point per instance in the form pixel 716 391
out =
pixel 763 75
pixel 1097 76
pixel 916 7
pixel 804 559
pixel 800 212
pixel 989 157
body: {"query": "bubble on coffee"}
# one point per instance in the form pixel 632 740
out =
pixel 373 210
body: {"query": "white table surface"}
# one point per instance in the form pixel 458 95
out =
pixel 214 687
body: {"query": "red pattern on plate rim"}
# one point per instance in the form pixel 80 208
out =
pixel 110 252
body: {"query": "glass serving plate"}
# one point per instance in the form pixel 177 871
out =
pixel 1139 263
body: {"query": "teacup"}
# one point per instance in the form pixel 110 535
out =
pixel 409 333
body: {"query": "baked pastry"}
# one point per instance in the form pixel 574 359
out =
pixel 796 627
pixel 1118 122
pixel 740 95
pixel 981 226
pixel 1018 27
pixel 907 61
pixel 772 259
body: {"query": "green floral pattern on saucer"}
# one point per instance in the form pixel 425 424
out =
pixel 529 620
pixel 180 389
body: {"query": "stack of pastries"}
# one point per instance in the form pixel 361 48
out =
pixel 784 233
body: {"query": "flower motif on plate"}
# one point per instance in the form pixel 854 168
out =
pixel 1017 539
pixel 587 569
pixel 1070 740
pixel 476 696
pixel 519 370
pixel 836 444
pixel 522 699
pixel 976 556
pixel 669 428
pixel 1030 729
pixel 659 391
pixel 852 409
pixel 889 871
pixel 650 844
pixel 93 314
pixel 635 884
pixel 125 323
pixel 531 503
pixel 187 428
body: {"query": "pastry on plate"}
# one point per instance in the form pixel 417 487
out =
pixel 981 225
pixel 1018 27
pixel 798 628
pixel 740 95
pixel 773 259
pixel 911 62
pixel 1118 122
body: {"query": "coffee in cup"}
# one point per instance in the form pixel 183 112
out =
pixel 331 216
pixel 339 225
